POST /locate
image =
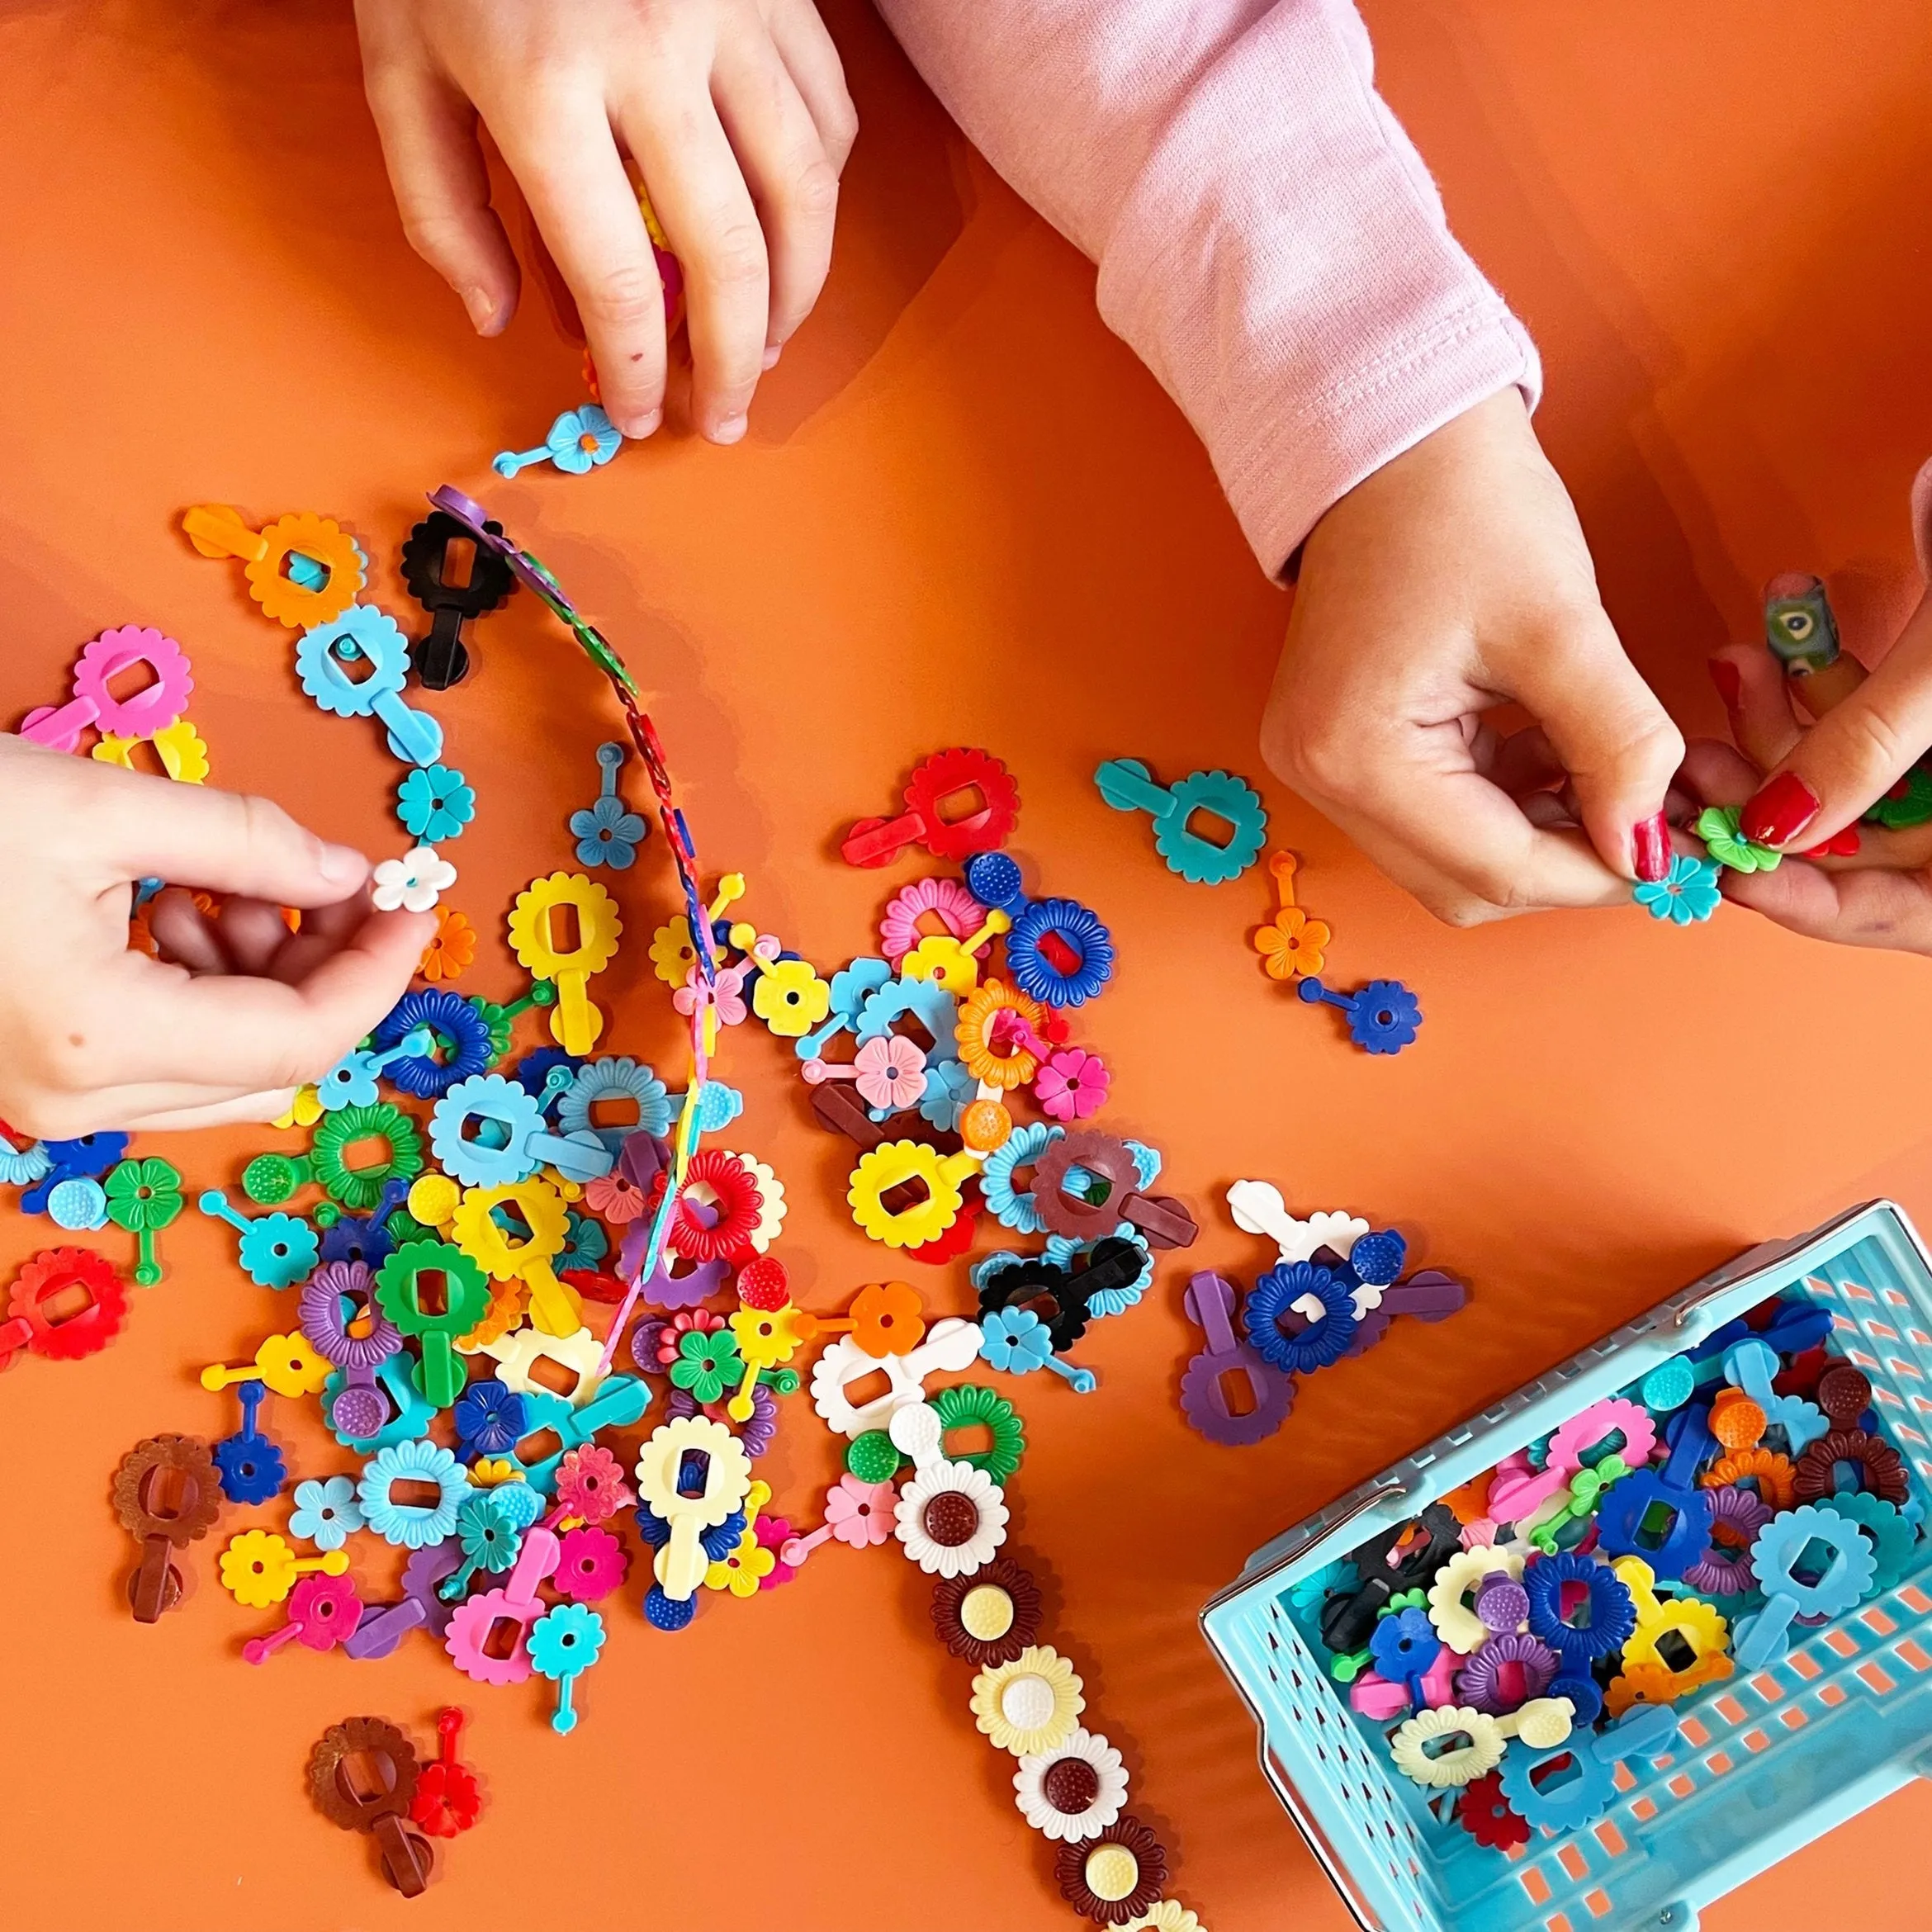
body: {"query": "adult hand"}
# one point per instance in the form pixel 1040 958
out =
pixel 1454 579
pixel 1803 788
pixel 735 115
pixel 241 1011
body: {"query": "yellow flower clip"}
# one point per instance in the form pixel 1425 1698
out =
pixel 895 1164
pixel 545 948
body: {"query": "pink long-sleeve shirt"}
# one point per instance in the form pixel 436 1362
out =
pixel 1268 240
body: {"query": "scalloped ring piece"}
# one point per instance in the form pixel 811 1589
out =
pixel 944 899
pixel 1613 1614
pixel 1456 1622
pixel 938 780
pixel 460 1030
pixel 1059 953
pixel 1128 786
pixel 1481 1682
pixel 1444 1769
pixel 1725 1568
pixel 339 1794
pixel 1881 1469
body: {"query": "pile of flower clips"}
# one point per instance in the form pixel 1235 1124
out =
pixel 1518 1640
pixel 481 1185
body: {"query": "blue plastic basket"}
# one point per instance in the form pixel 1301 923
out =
pixel 1763 1764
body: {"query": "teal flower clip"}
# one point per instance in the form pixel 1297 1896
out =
pixel 1687 894
pixel 435 803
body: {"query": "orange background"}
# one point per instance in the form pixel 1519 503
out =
pixel 965 514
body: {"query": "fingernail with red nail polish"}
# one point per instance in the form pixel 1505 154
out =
pixel 1650 848
pixel 1729 681
pixel 1780 811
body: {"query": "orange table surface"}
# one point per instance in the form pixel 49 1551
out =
pixel 964 515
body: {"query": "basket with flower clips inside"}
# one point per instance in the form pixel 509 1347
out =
pixel 1634 1633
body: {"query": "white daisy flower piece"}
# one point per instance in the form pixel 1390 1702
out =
pixel 414 883
pixel 1071 1792
pixel 951 1517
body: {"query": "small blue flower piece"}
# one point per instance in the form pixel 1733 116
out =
pixel 579 440
pixel 609 833
pixel 412 1525
pixel 563 1644
pixel 1687 894
pixel 1382 1018
pixel 251 1467
pixel 585 1243
pixel 326 1511
pixel 490 1419
pixel 950 1088
pixel 1406 1648
pixel 435 803
pixel 1017 1342
pixel 277 1250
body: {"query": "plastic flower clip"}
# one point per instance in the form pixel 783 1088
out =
pixel 435 803
pixel 1718 826
pixel 143 1197
pixel 889 1073
pixel 1687 894
pixel 451 950
pixel 414 883
pixel 609 832
pixel 579 440
pixel 1382 1018
pixel 1291 946
pixel 1017 1341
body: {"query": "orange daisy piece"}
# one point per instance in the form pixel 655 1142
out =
pixel 1293 946
pixel 452 948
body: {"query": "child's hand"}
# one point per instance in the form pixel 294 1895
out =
pixel 737 113
pixel 95 1035
pixel 1802 786
pixel 1453 578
